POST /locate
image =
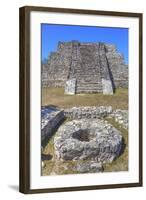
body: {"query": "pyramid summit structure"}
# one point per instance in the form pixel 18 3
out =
pixel 85 67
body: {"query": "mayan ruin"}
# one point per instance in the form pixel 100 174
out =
pixel 84 112
pixel 82 67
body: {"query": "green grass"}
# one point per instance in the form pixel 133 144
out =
pixel 56 96
pixel 49 164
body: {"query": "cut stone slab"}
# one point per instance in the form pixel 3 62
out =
pixel 50 118
pixel 107 87
pixel 88 139
pixel 70 87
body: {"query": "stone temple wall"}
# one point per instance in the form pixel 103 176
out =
pixel 94 67
pixel 117 66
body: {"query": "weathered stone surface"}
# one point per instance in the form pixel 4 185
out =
pixel 50 119
pixel 87 112
pixel 107 87
pixel 88 167
pixel 92 112
pixel 70 86
pixel 91 139
pixel 89 64
pixel 120 116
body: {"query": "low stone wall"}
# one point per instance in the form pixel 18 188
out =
pixel 51 118
pixel 87 112
pixel 120 116
pixel 91 112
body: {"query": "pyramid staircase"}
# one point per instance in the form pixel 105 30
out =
pixel 86 69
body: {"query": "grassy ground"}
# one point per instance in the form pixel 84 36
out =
pixel 56 96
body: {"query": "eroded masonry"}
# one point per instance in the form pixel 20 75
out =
pixel 85 68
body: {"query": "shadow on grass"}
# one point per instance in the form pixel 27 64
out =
pixel 46 157
pixel 52 106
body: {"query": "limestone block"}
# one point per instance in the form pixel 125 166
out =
pixel 86 112
pixel 107 87
pixel 88 139
pixel 50 119
pixel 70 87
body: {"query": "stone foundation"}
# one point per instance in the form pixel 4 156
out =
pixel 51 118
pixel 92 112
pixel 88 140
pixel 121 117
pixel 87 112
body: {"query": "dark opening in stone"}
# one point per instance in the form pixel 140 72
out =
pixel 82 135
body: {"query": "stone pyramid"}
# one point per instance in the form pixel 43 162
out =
pixel 82 67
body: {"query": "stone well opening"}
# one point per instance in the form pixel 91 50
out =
pixel 87 139
pixel 82 135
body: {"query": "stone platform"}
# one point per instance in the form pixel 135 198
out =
pixel 88 139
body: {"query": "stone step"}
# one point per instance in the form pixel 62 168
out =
pixel 85 73
pixel 88 75
pixel 88 91
pixel 87 80
pixel 86 70
pixel 87 54
pixel 89 87
pixel 89 83
pixel 92 79
pixel 88 67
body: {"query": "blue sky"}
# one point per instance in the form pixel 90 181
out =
pixel 52 34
